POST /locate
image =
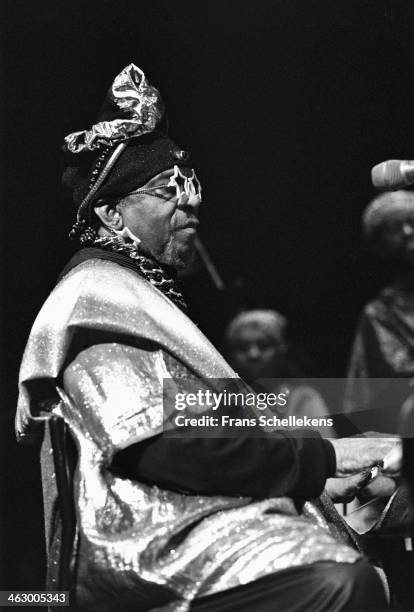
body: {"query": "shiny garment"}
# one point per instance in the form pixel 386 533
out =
pixel 383 348
pixel 106 338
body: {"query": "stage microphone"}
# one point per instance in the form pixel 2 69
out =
pixel 393 174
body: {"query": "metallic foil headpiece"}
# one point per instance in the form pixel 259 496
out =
pixel 124 149
pixel 137 109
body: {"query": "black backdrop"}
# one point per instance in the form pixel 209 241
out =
pixel 286 106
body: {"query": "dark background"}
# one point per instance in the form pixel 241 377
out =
pixel 286 105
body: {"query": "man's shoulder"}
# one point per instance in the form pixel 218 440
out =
pixel 94 254
pixel 95 289
pixel 102 278
pixel 94 268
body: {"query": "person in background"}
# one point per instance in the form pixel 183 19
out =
pixel 383 346
pixel 257 347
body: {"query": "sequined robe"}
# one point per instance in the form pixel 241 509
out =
pixel 104 340
pixel 383 348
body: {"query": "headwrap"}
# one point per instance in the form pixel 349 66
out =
pixel 125 147
pixel 386 206
pixel 271 322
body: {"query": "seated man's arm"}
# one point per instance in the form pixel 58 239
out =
pixel 274 465
pixel 117 391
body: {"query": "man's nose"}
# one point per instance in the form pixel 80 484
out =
pixel 189 200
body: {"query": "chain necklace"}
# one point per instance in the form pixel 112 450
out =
pixel 147 267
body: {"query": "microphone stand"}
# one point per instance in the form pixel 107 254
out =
pixel 209 265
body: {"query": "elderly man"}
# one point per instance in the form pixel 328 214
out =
pixel 383 347
pixel 169 522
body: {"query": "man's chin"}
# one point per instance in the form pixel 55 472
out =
pixel 179 258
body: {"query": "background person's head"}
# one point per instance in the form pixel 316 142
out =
pixel 388 225
pixel 255 343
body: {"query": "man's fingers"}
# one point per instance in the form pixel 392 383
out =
pixel 393 460
pixel 345 489
pixel 382 486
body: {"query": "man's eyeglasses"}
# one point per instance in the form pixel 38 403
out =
pixel 179 185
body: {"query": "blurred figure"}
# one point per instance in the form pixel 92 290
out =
pixel 257 348
pixel 384 341
pixel 256 342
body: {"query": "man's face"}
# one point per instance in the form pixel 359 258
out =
pixel 255 355
pixel 166 226
pixel 397 237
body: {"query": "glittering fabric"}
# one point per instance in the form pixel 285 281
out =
pixel 107 338
pixel 138 105
pixel 383 348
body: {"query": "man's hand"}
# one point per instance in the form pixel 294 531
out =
pixel 344 490
pixel 355 455
pixel 393 460
pixel 380 487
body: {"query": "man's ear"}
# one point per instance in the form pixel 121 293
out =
pixel 109 216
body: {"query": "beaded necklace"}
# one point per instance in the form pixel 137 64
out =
pixel 148 268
